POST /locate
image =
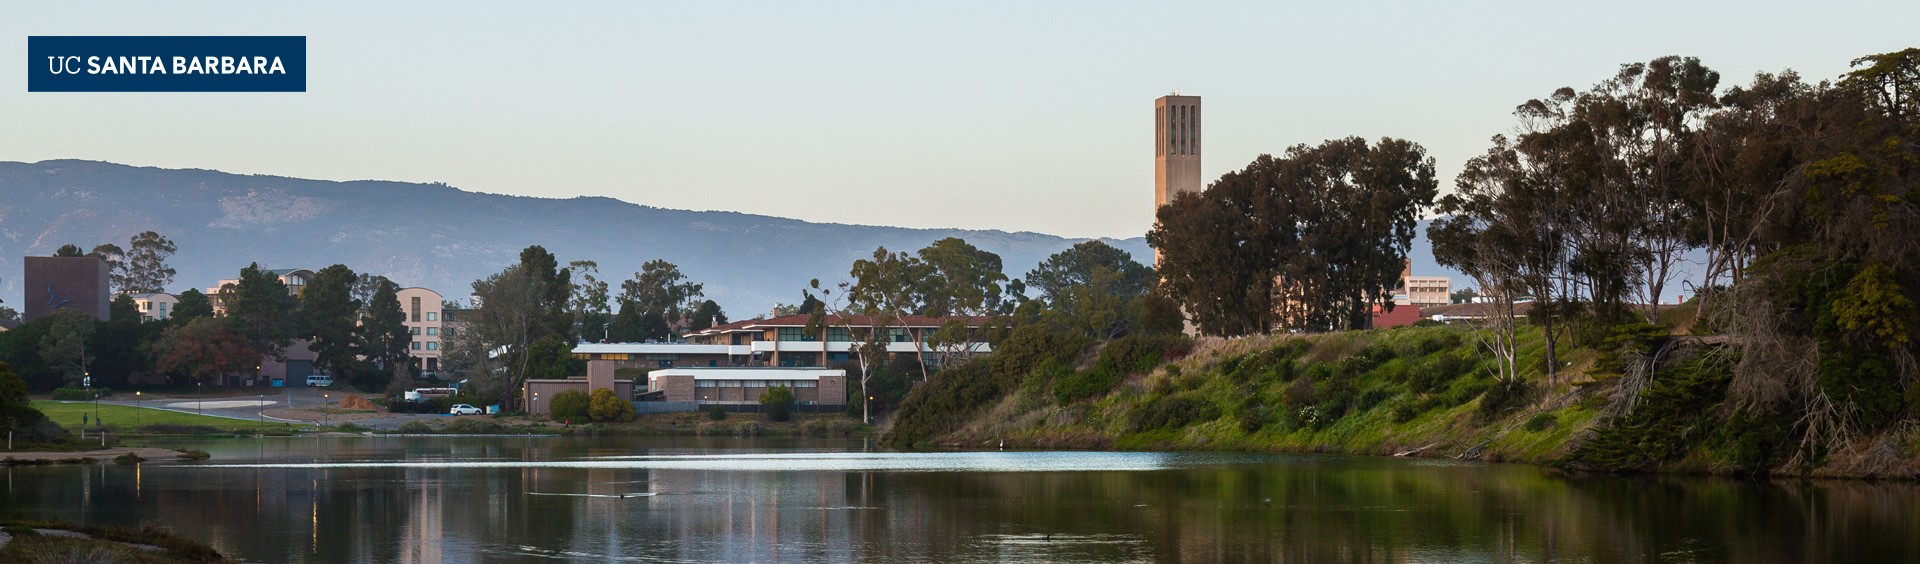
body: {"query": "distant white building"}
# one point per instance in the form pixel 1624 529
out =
pixel 296 280
pixel 155 306
pixel 1422 291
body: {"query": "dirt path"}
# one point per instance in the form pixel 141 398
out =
pixel 317 416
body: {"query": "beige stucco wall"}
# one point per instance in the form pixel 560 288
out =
pixel 425 325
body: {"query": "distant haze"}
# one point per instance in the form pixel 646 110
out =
pixel 1019 116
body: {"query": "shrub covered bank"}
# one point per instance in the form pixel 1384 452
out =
pixel 1422 391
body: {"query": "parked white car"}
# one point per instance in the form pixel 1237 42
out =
pixel 463 409
pixel 320 380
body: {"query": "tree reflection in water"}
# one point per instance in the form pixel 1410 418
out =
pixel 676 499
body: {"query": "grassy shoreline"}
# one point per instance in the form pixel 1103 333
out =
pixel 130 421
pixel 1424 392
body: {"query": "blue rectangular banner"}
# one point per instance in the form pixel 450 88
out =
pixel 126 63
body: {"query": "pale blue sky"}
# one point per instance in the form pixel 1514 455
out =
pixel 1008 115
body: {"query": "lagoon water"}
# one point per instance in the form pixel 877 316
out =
pixel 682 499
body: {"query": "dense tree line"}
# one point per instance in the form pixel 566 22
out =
pixel 1312 240
pixel 1804 199
pixel 352 322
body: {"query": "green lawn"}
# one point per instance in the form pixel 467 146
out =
pixel 123 418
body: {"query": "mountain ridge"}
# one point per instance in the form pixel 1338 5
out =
pixel 440 236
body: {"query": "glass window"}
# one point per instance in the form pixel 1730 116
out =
pixel 805 384
pixel 706 384
pixel 432 346
pixel 899 335
pixel 838 334
pixel 413 331
pixel 433 316
pixel 796 334
pixel 416 309
pixel 433 331
pixel 416 345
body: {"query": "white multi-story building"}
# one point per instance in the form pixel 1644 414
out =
pixel 155 306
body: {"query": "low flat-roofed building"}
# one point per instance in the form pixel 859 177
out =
pixel 811 386
pixel 539 392
pixel 779 341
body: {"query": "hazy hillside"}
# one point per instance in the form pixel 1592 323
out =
pixel 442 237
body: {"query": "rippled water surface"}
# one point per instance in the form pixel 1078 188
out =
pixel 505 499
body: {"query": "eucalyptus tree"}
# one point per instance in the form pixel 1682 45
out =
pixel 1219 249
pixel 146 269
pixel 116 259
pixel 1312 241
pixel 589 301
pixel 1506 226
pixel 1095 288
pixel 965 288
pixel 663 297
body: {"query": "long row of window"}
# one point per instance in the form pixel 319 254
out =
pixel 754 383
pixel 838 334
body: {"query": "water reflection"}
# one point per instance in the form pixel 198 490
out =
pixel 690 499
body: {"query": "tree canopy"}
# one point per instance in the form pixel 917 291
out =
pixel 1310 241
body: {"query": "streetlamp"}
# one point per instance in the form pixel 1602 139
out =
pixel 200 398
pixel 535 408
pixel 261 410
pixel 136 409
pixel 325 418
pixel 86 378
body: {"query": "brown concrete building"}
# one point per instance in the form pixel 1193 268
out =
pixel 811 386
pixel 538 392
pixel 77 283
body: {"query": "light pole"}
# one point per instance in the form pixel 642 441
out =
pixel 325 400
pixel 136 409
pixel 261 410
pixel 535 408
pixel 86 377
pixel 200 398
